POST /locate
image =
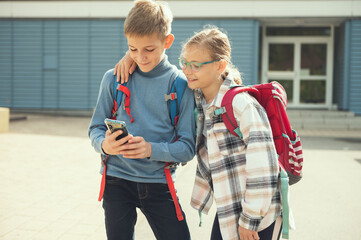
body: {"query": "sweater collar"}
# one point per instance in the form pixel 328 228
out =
pixel 157 70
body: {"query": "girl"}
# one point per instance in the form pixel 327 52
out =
pixel 240 175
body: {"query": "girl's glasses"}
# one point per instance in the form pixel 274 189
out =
pixel 194 66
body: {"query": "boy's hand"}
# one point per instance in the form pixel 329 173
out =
pixel 124 67
pixel 136 147
pixel 110 145
pixel 246 234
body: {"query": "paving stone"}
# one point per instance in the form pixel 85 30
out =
pixel 34 225
pixel 19 234
pixel 11 223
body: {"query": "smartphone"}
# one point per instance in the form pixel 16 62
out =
pixel 115 125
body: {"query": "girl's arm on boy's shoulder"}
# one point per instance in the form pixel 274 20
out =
pixel 124 68
pixel 102 110
pixel 261 161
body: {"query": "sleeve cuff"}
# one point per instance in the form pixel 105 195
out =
pixel 249 223
pixel 156 153
pixel 99 146
pixel 102 152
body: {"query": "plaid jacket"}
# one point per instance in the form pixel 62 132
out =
pixel 241 175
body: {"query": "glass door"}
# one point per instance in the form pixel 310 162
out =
pixel 313 74
pixel 281 66
pixel 303 65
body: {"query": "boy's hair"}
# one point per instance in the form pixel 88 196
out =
pixel 148 17
pixel 216 42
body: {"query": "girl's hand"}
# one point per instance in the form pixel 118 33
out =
pixel 124 67
pixel 136 147
pixel 246 234
pixel 110 145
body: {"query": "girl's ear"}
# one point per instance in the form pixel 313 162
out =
pixel 168 41
pixel 222 65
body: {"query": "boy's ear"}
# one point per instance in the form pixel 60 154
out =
pixel 168 41
pixel 222 64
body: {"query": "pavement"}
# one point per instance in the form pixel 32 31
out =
pixel 49 183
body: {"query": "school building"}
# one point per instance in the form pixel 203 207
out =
pixel 53 54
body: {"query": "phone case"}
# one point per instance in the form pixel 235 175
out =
pixel 115 125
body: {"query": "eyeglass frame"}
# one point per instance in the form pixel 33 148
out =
pixel 187 64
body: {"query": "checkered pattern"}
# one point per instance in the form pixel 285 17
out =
pixel 241 175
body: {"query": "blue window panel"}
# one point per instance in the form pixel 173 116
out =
pixel 27 64
pixel 107 46
pixel 73 64
pixel 5 63
pixel 352 65
pixel 50 70
pixel 50 62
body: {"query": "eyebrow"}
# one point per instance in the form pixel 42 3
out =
pixel 192 61
pixel 144 47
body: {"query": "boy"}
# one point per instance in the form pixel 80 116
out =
pixel 135 175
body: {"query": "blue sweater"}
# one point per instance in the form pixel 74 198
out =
pixel 151 121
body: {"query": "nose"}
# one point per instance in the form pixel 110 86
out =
pixel 142 56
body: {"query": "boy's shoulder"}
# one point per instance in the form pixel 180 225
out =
pixel 181 75
pixel 107 83
pixel 109 75
pixel 108 79
pixel 178 73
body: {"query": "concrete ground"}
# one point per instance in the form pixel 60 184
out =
pixel 49 185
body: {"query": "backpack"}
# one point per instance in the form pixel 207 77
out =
pixel 173 99
pixel 272 97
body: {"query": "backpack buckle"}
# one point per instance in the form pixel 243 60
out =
pixel 170 96
pixel 171 165
pixel 217 112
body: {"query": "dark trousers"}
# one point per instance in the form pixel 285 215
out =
pixel 265 234
pixel 122 197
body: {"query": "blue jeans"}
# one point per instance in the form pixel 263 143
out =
pixel 122 197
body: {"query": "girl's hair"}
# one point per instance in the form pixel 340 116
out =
pixel 148 17
pixel 216 42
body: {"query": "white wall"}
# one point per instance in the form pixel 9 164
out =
pixel 183 9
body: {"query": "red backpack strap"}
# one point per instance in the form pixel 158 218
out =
pixel 126 92
pixel 102 183
pixel 172 191
pixel 227 108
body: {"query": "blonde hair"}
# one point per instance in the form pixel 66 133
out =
pixel 216 42
pixel 148 17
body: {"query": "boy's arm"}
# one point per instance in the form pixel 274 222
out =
pixel 124 68
pixel 183 149
pixel 103 109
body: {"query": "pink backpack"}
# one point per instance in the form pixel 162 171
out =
pixel 273 99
